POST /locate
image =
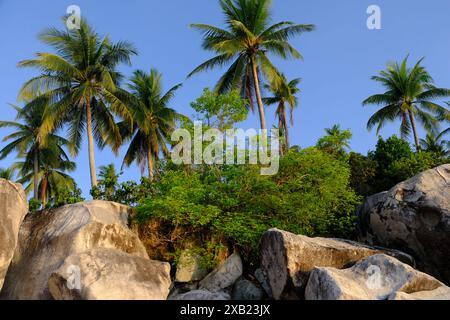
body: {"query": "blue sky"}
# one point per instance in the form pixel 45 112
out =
pixel 340 56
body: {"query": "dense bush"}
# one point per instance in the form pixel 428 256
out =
pixel 363 173
pixel 310 195
pixel 392 162
pixel 406 168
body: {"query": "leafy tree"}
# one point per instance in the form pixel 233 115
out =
pixel 82 81
pixel 416 163
pixel 245 43
pixel 336 141
pixel 110 189
pixel 363 172
pixel 221 111
pixel 385 154
pixel 7 174
pixel 153 120
pixel 284 93
pixel 66 196
pixel 409 97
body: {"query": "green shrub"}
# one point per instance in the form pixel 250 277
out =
pixel 310 195
pixel 406 168
pixel 396 162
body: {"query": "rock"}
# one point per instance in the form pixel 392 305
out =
pixel 189 267
pixel 262 279
pixel 378 277
pixel 109 274
pixel 13 208
pixel 246 290
pixel 224 276
pixel 287 259
pixel 199 295
pixel 47 239
pixel 414 217
pixel 441 293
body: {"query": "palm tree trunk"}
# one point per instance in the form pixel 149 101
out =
pixel 262 114
pixel 285 127
pixel 44 191
pixel 90 143
pixel 150 163
pixel 36 174
pixel 413 125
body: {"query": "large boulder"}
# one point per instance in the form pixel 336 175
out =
pixel 287 259
pixel 48 238
pixel 379 277
pixel 414 217
pixel 13 208
pixel 110 274
pixel 225 275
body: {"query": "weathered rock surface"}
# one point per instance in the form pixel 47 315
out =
pixel 13 208
pixel 47 239
pixel 246 290
pixel 109 274
pixel 224 276
pixel 198 295
pixel 287 259
pixel 414 217
pixel 441 293
pixel 189 267
pixel 378 277
pixel 262 279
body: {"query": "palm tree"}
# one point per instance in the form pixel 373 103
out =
pixel 82 82
pixel 335 141
pixel 245 43
pixel 109 178
pixel 284 93
pixel 7 174
pixel 52 176
pixel 436 143
pixel 25 140
pixel 409 97
pixel 153 120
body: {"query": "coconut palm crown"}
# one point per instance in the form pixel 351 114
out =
pixel 409 97
pixel 245 45
pixel 81 82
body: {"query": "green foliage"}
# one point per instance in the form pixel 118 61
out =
pixel 7 173
pixel 336 141
pixel 110 189
pixel 363 171
pixel 220 111
pixel 66 196
pixel 386 153
pixel 310 195
pixel 396 162
pixel 34 205
pixel 436 143
pixel 416 163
